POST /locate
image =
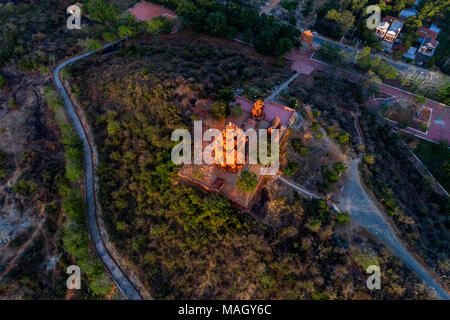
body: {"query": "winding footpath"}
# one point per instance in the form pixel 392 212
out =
pixel 362 210
pixel 118 276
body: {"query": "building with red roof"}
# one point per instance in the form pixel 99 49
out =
pixel 144 11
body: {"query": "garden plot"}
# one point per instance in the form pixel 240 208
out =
pixel 408 114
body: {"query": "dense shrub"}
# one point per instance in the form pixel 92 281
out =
pixel 247 181
pixel 299 147
pixel 291 168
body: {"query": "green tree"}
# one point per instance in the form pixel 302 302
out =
pixel 2 164
pixel 364 59
pixel 444 94
pixel 343 218
pixel 299 147
pixel 93 44
pixel 385 70
pixel 219 110
pixel 236 111
pixel 109 37
pixel 100 11
pixel 331 176
pixel 247 181
pixel 330 53
pixel 284 45
pixel 73 205
pixel 369 158
pixel 25 187
pixel 126 31
pixel 154 25
pixel 291 168
pixel 339 167
pixel 344 138
pixel 216 24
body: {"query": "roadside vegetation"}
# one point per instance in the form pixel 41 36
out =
pixel 3 164
pixel 75 238
pixel 247 181
pixel 266 33
pixel 421 215
pixel 72 143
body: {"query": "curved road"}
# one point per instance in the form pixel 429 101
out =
pixel 358 204
pixel 118 276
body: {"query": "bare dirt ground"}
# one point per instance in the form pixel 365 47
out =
pixel 29 138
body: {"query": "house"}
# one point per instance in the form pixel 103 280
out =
pixel 395 27
pixel 389 29
pixel 428 46
pixel 431 32
pixel 411 53
pixel 382 29
pixel 406 13
pixel 428 42
pixel 144 11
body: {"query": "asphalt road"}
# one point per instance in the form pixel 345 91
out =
pixel 362 210
pixel 118 276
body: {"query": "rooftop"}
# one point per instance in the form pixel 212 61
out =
pixel 144 11
pixel 406 13
pixel 383 25
pixel 411 53
pixel 435 28
pixel 395 27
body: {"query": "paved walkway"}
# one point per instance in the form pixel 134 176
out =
pixel 297 187
pixel 118 276
pixel 281 87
